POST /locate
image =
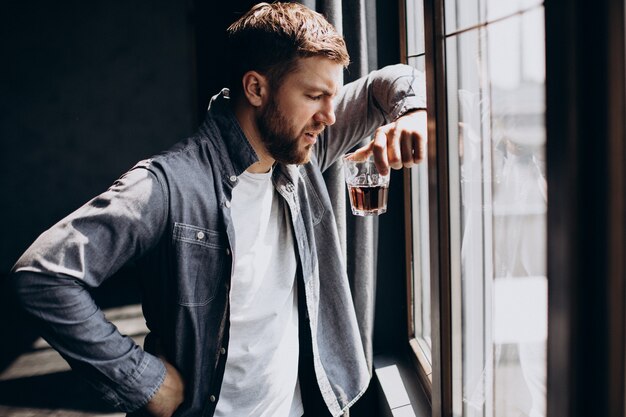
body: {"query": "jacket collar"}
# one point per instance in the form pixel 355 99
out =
pixel 240 153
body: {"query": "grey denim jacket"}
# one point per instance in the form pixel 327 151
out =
pixel 171 215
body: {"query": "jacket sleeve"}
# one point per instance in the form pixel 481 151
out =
pixel 368 103
pixel 51 282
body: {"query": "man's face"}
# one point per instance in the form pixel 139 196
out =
pixel 299 109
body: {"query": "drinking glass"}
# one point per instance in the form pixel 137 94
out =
pixel 368 189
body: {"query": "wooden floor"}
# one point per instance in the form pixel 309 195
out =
pixel 40 383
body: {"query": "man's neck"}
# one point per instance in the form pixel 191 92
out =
pixel 245 115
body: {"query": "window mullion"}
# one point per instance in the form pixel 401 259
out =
pixel 439 209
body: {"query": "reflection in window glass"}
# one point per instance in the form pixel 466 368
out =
pixel 519 213
pixel 496 134
pixel 468 224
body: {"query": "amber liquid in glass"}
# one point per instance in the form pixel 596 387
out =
pixel 368 200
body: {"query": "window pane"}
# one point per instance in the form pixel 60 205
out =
pixel 500 8
pixel 421 253
pixel 519 212
pixel 464 14
pixel 415 27
pixel 496 133
pixel 420 63
pixel 466 107
pixel 461 14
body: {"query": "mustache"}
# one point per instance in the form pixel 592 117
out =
pixel 317 127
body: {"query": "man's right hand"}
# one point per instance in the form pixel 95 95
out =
pixel 170 394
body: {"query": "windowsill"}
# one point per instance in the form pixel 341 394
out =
pixel 399 388
pixel 421 350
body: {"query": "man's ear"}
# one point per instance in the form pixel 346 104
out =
pixel 255 88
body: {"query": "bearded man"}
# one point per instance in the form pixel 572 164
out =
pixel 243 285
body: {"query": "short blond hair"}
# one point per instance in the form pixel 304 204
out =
pixel 270 38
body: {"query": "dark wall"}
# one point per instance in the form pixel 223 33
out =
pixel 90 88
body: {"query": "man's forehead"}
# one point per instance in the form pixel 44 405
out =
pixel 319 73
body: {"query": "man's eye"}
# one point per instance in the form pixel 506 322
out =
pixel 312 97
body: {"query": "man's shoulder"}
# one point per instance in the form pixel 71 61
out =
pixel 184 159
pixel 185 151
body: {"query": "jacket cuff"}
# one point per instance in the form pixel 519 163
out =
pixel 407 105
pixel 136 392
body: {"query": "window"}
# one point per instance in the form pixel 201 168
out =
pixel 418 233
pixel 490 111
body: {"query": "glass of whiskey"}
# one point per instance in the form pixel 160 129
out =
pixel 368 189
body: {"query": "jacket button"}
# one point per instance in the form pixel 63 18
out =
pixel 200 235
pixel 227 252
pixel 212 398
pixel 227 204
pixel 222 351
pixel 232 178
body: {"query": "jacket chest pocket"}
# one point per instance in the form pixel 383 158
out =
pixel 200 255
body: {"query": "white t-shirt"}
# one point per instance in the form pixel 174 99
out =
pixel 261 376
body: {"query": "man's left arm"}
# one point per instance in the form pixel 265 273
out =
pixel 390 104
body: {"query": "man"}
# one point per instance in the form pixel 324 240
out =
pixel 243 286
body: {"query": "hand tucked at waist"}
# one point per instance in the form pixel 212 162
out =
pixel 170 394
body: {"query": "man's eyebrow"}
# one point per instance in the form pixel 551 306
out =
pixel 324 90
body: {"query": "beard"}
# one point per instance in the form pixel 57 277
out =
pixel 280 138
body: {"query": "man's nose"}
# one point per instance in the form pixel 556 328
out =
pixel 326 114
